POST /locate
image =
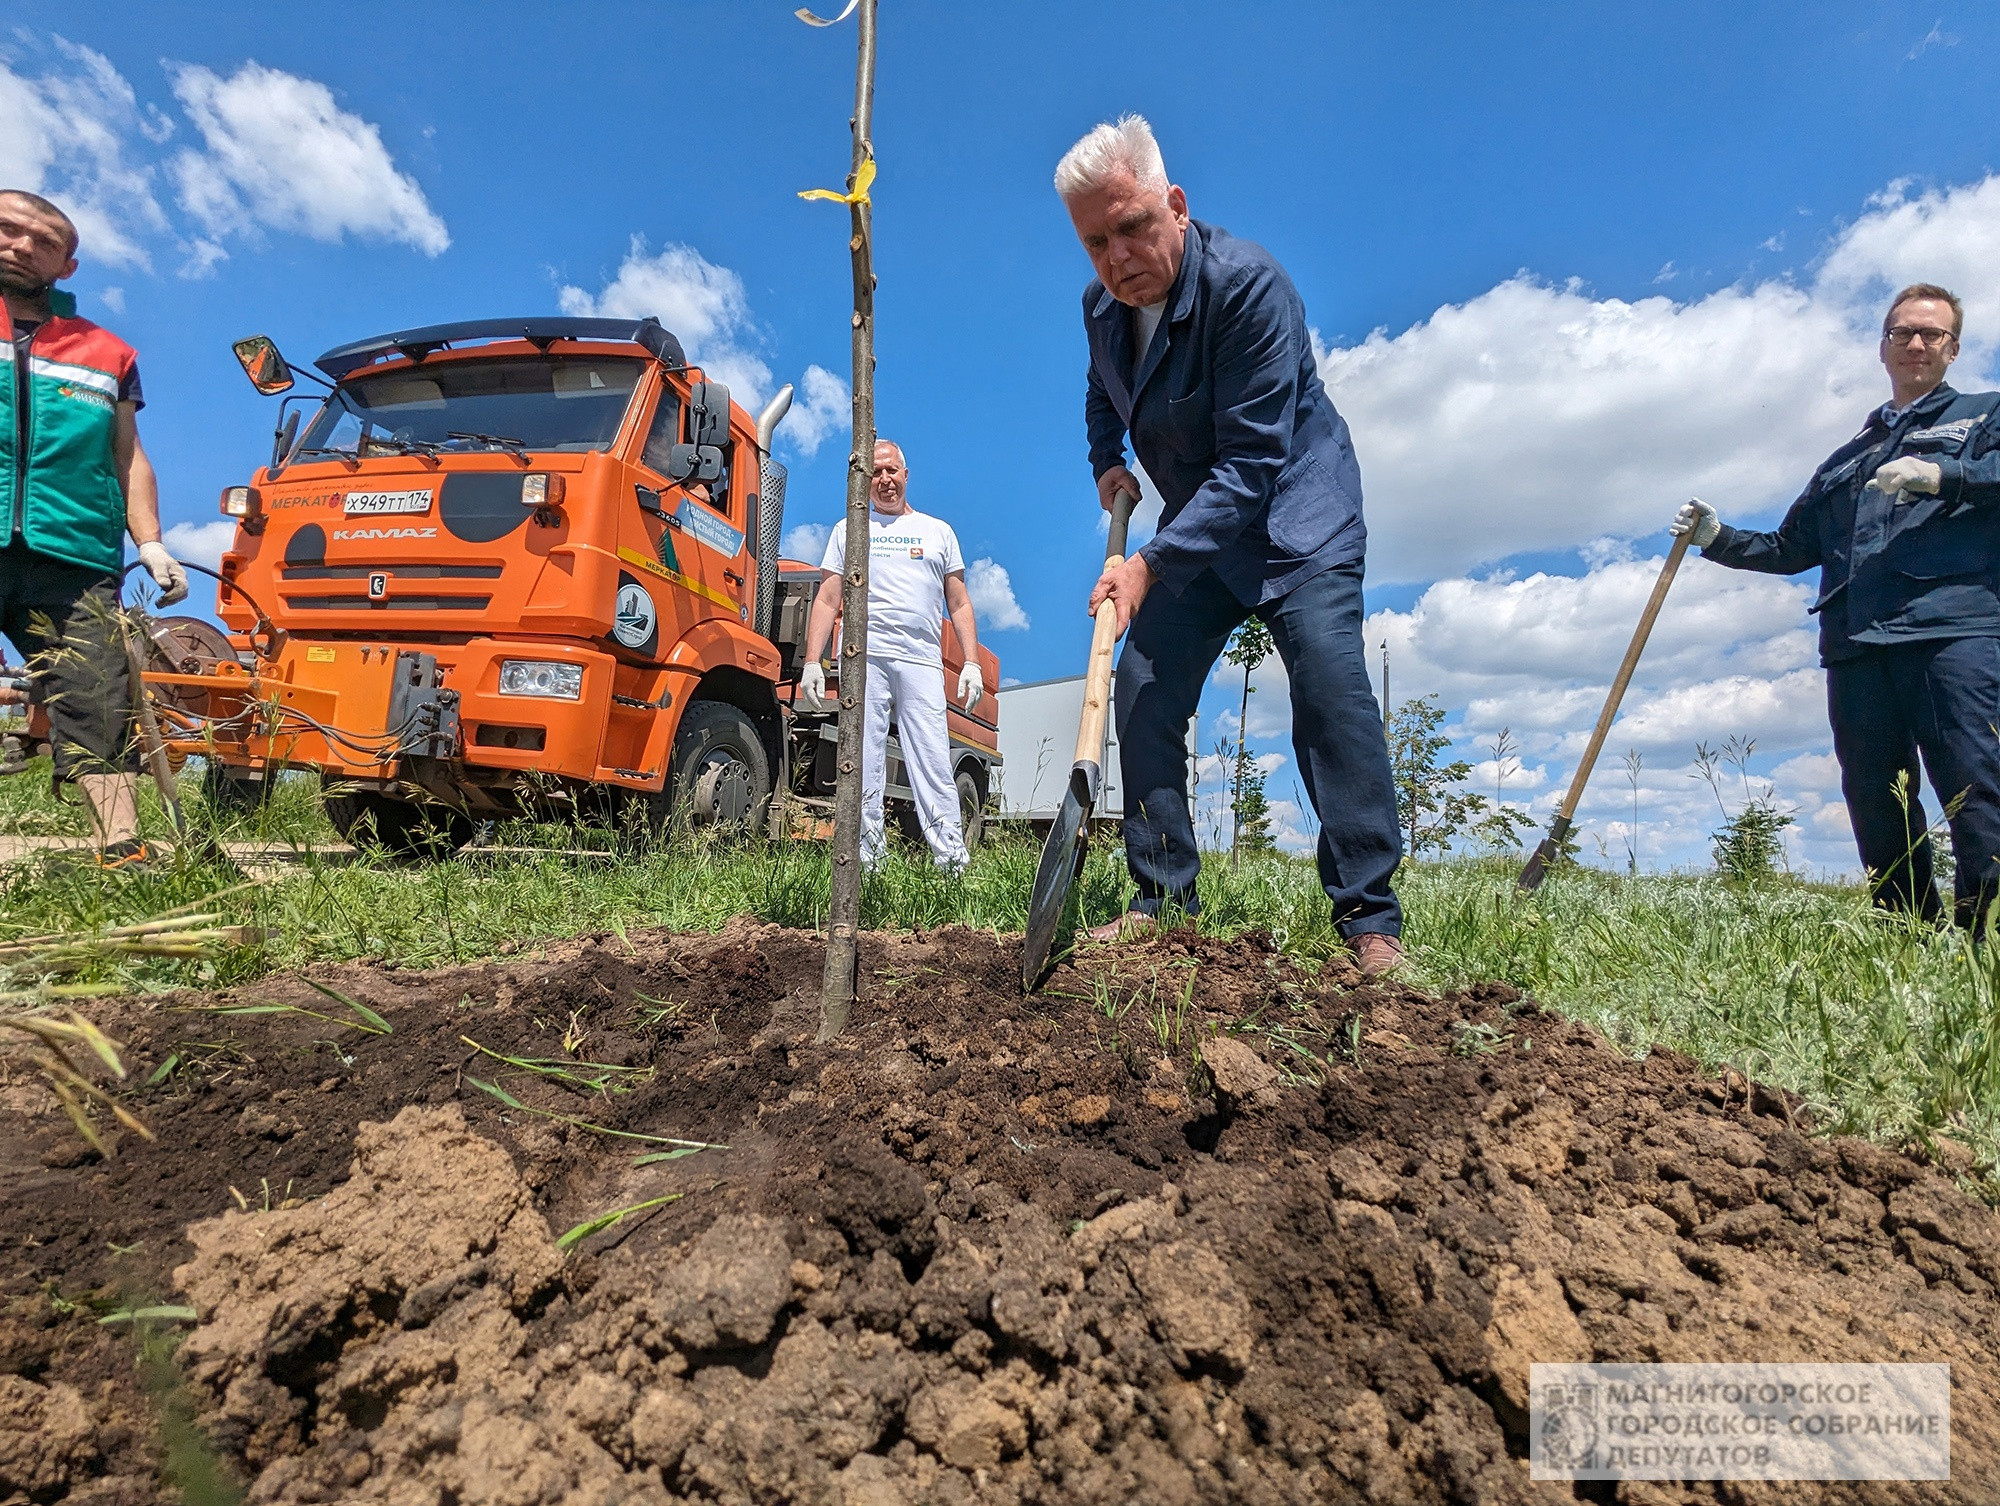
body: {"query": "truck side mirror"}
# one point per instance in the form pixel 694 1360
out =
pixel 708 413
pixel 694 462
pixel 708 431
pixel 262 363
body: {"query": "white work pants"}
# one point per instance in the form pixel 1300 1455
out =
pixel 916 694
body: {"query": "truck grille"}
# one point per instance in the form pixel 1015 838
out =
pixel 391 603
pixel 394 572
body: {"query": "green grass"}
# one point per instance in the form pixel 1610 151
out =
pixel 1888 1028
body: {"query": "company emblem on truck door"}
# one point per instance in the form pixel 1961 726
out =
pixel 636 622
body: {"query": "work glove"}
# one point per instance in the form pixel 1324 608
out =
pixel 812 685
pixel 1697 523
pixel 1906 473
pixel 166 572
pixel 971 685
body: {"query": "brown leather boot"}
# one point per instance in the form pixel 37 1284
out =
pixel 1377 952
pixel 1130 926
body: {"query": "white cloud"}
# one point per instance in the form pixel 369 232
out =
pixel 200 543
pixel 706 307
pixel 992 593
pixel 63 133
pixel 1533 414
pixel 1732 654
pixel 1937 36
pixel 823 408
pixel 806 541
pixel 277 151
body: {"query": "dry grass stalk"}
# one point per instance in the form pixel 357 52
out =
pixel 52 1042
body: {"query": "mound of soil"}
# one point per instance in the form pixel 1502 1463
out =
pixel 1087 1247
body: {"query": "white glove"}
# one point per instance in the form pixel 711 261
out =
pixel 971 685
pixel 166 572
pixel 1907 474
pixel 812 685
pixel 1697 522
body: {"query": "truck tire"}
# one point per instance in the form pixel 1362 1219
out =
pixel 972 806
pixel 230 792
pixel 971 811
pixel 720 777
pixel 408 832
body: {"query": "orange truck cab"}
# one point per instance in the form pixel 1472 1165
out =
pixel 509 566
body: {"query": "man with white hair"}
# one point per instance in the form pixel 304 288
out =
pixel 1199 352
pixel 915 575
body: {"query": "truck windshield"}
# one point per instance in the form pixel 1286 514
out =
pixel 573 403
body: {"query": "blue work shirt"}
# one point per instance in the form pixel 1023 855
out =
pixel 1895 572
pixel 1229 417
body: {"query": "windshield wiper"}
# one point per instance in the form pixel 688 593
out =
pixel 421 447
pixel 345 457
pixel 518 448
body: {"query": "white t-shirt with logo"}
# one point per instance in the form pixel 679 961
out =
pixel 909 556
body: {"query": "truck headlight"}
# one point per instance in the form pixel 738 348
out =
pixel 240 502
pixel 539 489
pixel 539 677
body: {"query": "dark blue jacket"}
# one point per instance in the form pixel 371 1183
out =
pixel 1229 418
pixel 1895 573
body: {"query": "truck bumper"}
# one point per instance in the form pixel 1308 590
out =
pixel 335 706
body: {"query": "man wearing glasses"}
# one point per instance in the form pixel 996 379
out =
pixel 1904 522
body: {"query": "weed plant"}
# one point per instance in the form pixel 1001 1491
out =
pixel 1887 1026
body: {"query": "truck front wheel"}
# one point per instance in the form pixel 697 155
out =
pixel 407 831
pixel 721 775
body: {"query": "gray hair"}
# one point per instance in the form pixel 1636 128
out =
pixel 1126 143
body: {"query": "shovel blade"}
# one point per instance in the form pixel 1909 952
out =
pixel 1062 857
pixel 1546 855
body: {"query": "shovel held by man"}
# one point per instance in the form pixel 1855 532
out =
pixel 1549 851
pixel 1068 841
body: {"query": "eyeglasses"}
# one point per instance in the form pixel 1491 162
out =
pixel 1902 334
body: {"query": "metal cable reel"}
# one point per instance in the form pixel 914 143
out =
pixel 184 646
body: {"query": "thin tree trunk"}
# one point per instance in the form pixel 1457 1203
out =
pixel 1236 805
pixel 843 920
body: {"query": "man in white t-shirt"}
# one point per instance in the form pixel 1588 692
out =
pixel 915 573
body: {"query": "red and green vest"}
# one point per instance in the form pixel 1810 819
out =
pixel 65 489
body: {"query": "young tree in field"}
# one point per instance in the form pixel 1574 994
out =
pixel 1430 805
pixel 1253 812
pixel 843 917
pixel 1503 824
pixel 1249 646
pixel 1747 846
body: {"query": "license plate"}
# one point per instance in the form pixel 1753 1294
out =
pixel 362 504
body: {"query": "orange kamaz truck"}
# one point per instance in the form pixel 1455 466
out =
pixel 523 566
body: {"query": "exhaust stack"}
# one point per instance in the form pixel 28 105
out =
pixel 770 507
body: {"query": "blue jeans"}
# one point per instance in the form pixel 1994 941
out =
pixel 1940 699
pixel 1336 735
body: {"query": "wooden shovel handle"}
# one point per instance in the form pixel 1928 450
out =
pixel 1631 662
pixel 1103 640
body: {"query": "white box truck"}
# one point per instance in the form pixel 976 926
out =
pixel 1038 748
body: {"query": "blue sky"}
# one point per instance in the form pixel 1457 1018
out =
pixel 1608 255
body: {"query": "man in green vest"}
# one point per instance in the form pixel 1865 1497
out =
pixel 73 479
